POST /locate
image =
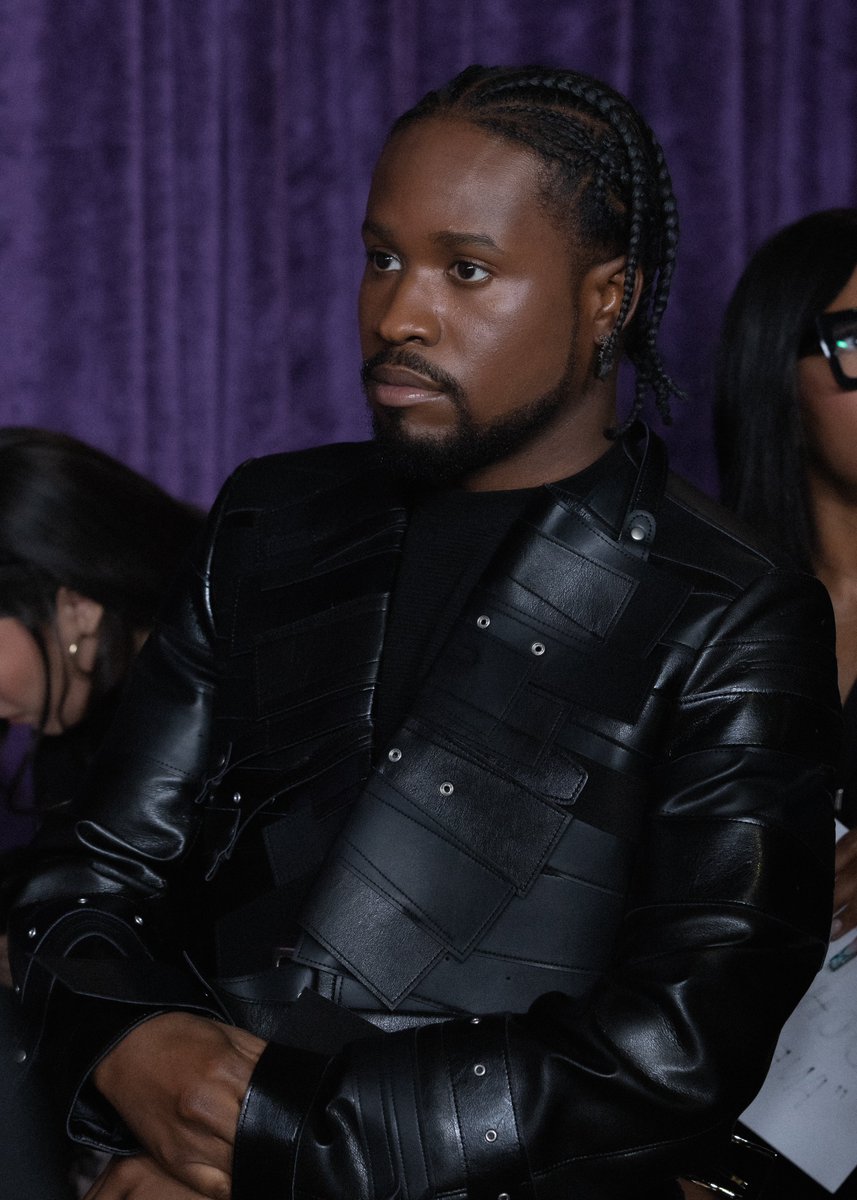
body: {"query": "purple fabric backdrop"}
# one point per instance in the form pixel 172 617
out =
pixel 181 186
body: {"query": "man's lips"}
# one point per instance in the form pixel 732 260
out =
pixel 399 387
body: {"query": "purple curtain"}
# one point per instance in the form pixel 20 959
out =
pixel 181 186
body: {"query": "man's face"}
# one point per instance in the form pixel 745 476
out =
pixel 468 305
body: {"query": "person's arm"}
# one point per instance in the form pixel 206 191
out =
pixel 724 930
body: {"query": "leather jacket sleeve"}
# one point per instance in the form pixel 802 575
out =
pixel 725 928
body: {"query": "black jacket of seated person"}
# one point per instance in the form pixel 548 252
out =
pixel 572 892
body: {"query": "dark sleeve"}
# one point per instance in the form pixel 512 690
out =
pixel 726 925
pixel 93 952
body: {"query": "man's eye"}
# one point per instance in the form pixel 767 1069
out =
pixel 469 272
pixel 381 260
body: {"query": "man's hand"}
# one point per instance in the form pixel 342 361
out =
pixel 845 889
pixel 178 1081
pixel 138 1178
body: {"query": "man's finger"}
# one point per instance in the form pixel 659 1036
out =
pixel 140 1178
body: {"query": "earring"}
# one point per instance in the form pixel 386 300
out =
pixel 603 358
pixel 73 649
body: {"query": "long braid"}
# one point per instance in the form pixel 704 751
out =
pixel 606 171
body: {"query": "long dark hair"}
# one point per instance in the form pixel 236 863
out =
pixel 73 516
pixel 790 280
pixel 606 180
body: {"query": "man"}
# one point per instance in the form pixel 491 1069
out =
pixel 477 774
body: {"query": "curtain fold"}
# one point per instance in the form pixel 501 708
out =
pixel 182 184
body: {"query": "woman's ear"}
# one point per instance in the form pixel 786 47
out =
pixel 78 618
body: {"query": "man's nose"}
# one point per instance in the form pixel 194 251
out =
pixel 409 313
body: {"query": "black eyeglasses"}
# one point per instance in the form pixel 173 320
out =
pixel 835 336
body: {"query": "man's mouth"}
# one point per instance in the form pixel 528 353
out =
pixel 399 387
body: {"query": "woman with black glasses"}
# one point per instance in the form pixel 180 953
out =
pixel 786 431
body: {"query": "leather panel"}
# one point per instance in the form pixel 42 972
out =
pixel 369 933
pixel 423 874
pixel 571 586
pixel 489 812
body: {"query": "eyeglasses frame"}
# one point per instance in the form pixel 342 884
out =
pixel 825 327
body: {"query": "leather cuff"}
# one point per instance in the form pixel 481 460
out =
pixel 278 1099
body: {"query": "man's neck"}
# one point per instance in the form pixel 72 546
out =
pixel 571 444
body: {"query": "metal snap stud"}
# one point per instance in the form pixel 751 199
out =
pixel 490 1135
pixel 236 797
pixel 20 1056
pixel 483 622
pixel 446 789
pixel 82 900
pixel 395 754
pixel 538 648
pixel 637 533
pixel 31 932
pixel 479 1070
pixel 475 1020
pixel 504 1196
pixel 138 920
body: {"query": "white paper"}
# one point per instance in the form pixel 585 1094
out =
pixel 807 1108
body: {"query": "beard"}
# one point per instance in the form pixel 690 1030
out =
pixel 467 447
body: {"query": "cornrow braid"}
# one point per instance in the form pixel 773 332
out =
pixel 606 174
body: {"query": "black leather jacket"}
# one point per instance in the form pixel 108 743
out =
pixel 579 892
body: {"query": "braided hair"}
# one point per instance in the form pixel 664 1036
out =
pixel 605 177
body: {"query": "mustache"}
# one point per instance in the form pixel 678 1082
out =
pixel 414 362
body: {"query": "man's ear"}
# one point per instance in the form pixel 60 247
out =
pixel 603 288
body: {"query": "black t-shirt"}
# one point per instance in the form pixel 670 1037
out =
pixel 451 538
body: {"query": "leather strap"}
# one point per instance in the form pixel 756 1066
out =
pixel 640 520
pixel 281 1090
